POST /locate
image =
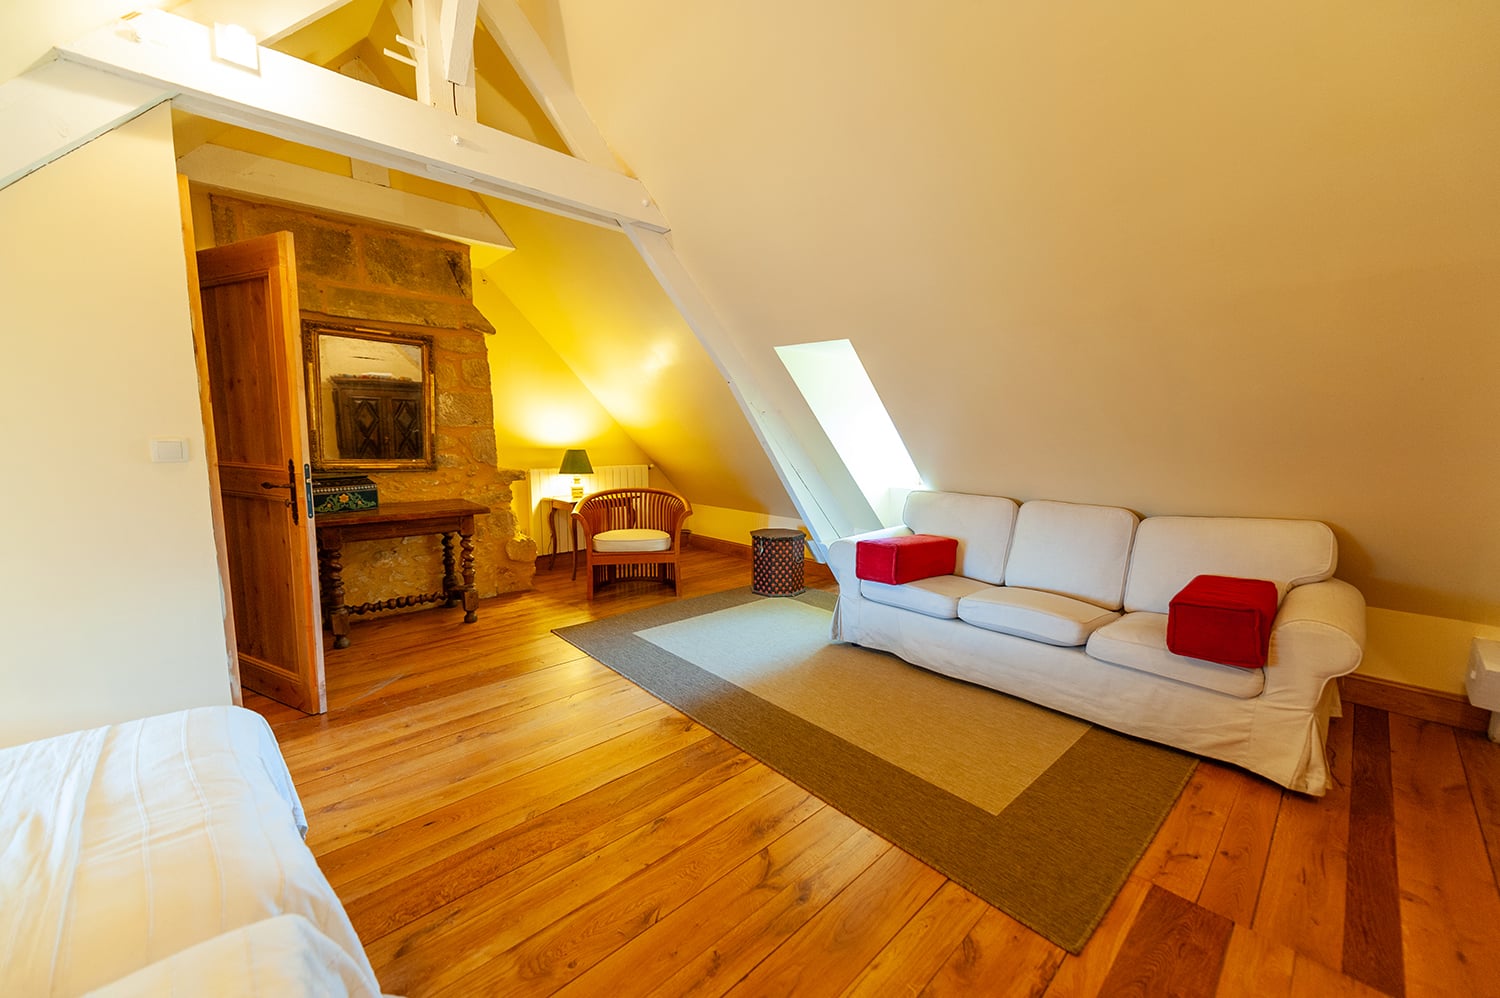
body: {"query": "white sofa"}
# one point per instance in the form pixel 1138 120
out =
pixel 165 856
pixel 1066 605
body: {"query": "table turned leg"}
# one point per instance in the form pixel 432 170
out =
pixel 330 557
pixel 450 577
pixel 466 559
pixel 575 538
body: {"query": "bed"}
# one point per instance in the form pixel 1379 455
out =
pixel 165 855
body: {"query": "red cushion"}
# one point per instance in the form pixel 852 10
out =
pixel 894 560
pixel 1223 619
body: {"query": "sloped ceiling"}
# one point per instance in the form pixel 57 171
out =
pixel 583 289
pixel 1183 258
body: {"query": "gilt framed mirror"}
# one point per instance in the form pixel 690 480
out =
pixel 370 402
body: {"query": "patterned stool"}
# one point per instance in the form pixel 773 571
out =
pixel 777 562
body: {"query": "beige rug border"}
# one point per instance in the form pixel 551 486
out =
pixel 1054 859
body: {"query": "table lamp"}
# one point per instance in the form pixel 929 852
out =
pixel 575 463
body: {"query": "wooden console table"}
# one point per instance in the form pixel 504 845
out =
pixel 449 517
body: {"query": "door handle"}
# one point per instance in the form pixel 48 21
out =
pixel 290 486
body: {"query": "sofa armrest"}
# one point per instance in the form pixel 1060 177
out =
pixel 841 554
pixel 1318 635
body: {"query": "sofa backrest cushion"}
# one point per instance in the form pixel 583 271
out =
pixel 982 525
pixel 1073 549
pixel 1171 550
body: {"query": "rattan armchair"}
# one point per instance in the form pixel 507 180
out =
pixel 632 534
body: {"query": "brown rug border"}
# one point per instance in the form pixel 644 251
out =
pixel 1058 881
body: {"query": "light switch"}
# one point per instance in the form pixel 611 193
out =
pixel 166 450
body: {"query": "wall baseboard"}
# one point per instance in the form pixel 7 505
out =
pixel 813 572
pixel 1414 701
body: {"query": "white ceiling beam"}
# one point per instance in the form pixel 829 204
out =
pixel 373 173
pixel 268 20
pixel 303 103
pixel 436 85
pixel 57 106
pixel 289 183
pixel 528 55
pixel 456 27
pixel 401 14
pixel 425 16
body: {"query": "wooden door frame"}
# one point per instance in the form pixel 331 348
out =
pixel 210 440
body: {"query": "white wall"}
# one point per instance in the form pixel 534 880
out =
pixel 109 597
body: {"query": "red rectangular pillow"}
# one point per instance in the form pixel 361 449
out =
pixel 894 560
pixel 1223 619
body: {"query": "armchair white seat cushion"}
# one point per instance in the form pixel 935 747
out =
pixel 637 539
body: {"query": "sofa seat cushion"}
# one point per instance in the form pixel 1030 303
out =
pixel 1139 641
pixel 634 539
pixel 1034 614
pixel 935 597
pixel 895 560
pixel 1072 549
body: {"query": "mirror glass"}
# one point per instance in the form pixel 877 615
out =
pixel 370 397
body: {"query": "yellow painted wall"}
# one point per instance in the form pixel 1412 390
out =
pixel 1420 650
pixel 541 408
pixel 110 601
pixel 735 524
pixel 589 295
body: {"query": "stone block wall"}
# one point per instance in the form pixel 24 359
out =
pixel 353 270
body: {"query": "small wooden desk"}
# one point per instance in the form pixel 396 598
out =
pixel 449 517
pixel 563 508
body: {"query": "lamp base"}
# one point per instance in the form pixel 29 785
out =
pixel 577 490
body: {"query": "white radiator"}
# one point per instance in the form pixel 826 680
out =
pixel 550 482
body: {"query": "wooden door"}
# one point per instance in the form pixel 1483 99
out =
pixel 253 346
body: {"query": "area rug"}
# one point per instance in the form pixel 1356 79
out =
pixel 1039 814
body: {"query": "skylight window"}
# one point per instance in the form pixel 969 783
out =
pixel 839 391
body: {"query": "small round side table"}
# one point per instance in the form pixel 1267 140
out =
pixel 777 556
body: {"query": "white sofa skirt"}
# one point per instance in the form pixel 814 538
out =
pixel 1279 734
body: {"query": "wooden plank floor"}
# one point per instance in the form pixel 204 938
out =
pixel 504 816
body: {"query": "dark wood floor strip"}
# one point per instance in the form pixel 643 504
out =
pixel 1372 893
pixel 1175 948
pixel 1481 759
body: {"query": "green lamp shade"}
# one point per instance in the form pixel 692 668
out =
pixel 576 462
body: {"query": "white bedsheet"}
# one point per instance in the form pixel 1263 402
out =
pixel 281 957
pixel 124 845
